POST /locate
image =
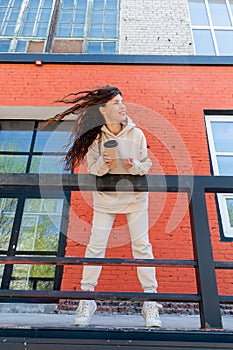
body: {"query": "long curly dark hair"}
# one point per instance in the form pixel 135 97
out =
pixel 89 122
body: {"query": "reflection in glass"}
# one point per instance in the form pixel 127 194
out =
pixel 109 48
pixel 13 164
pixel 198 12
pixel 203 42
pixel 47 164
pixel 4 45
pixel 15 141
pixel 7 214
pixel 229 202
pixel 15 136
pixel 21 46
pixel 222 133
pixel 30 277
pixel 98 4
pixel 1 272
pixel 111 4
pixel 39 231
pixel 219 13
pixel 94 47
pixel 225 165
pixel 48 140
pixel 40 225
pixel 225 41
pixel 96 31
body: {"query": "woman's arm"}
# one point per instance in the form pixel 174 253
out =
pixel 141 165
pixel 95 161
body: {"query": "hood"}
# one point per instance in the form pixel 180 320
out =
pixel 128 124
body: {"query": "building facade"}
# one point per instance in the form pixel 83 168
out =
pixel 183 104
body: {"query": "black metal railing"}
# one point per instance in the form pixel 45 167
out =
pixel 51 185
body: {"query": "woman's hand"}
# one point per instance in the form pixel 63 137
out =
pixel 107 159
pixel 128 163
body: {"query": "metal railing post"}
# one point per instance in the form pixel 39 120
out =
pixel 205 272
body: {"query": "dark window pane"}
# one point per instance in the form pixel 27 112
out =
pixel 23 276
pixel 78 31
pixel 9 29
pixel 13 15
pixel 97 17
pixel 47 4
pixel 96 31
pixel 34 3
pixel 66 17
pixel 44 15
pixel 2 14
pixel 110 31
pixel 7 214
pixel 53 138
pixel 4 46
pixel 47 164
pixel 109 48
pixel 111 4
pixel 15 136
pixel 21 46
pixel 82 4
pixel 98 4
pixel 30 15
pixel 94 47
pixel 27 29
pixel 41 29
pixel 111 17
pixel 68 4
pixel 16 3
pixel 13 164
pixel 80 16
pixel 63 30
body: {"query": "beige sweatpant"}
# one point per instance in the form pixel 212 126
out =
pixel 141 247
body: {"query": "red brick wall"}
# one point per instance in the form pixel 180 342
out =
pixel 168 103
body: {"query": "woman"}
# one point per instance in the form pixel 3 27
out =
pixel 102 117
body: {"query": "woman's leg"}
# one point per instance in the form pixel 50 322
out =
pixel 142 249
pixel 101 228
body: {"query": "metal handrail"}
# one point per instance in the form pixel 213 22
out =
pixel 53 185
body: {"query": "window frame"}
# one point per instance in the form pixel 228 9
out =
pixel 211 27
pixel 21 197
pixel 221 197
pixel 53 26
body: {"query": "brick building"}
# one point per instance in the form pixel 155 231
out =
pixel 161 55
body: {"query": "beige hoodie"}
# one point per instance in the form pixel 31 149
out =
pixel 131 144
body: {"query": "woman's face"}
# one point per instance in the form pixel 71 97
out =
pixel 114 110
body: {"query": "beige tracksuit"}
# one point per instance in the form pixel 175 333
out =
pixel 131 144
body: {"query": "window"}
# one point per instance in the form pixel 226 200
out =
pixel 219 131
pixel 212 26
pixel 32 223
pixel 79 26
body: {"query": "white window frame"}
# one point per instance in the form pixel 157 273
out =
pixel 227 229
pixel 212 28
pixel 15 38
pixel 87 25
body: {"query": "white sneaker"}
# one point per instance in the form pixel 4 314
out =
pixel 84 312
pixel 150 313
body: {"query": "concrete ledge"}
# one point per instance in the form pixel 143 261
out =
pixel 16 308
